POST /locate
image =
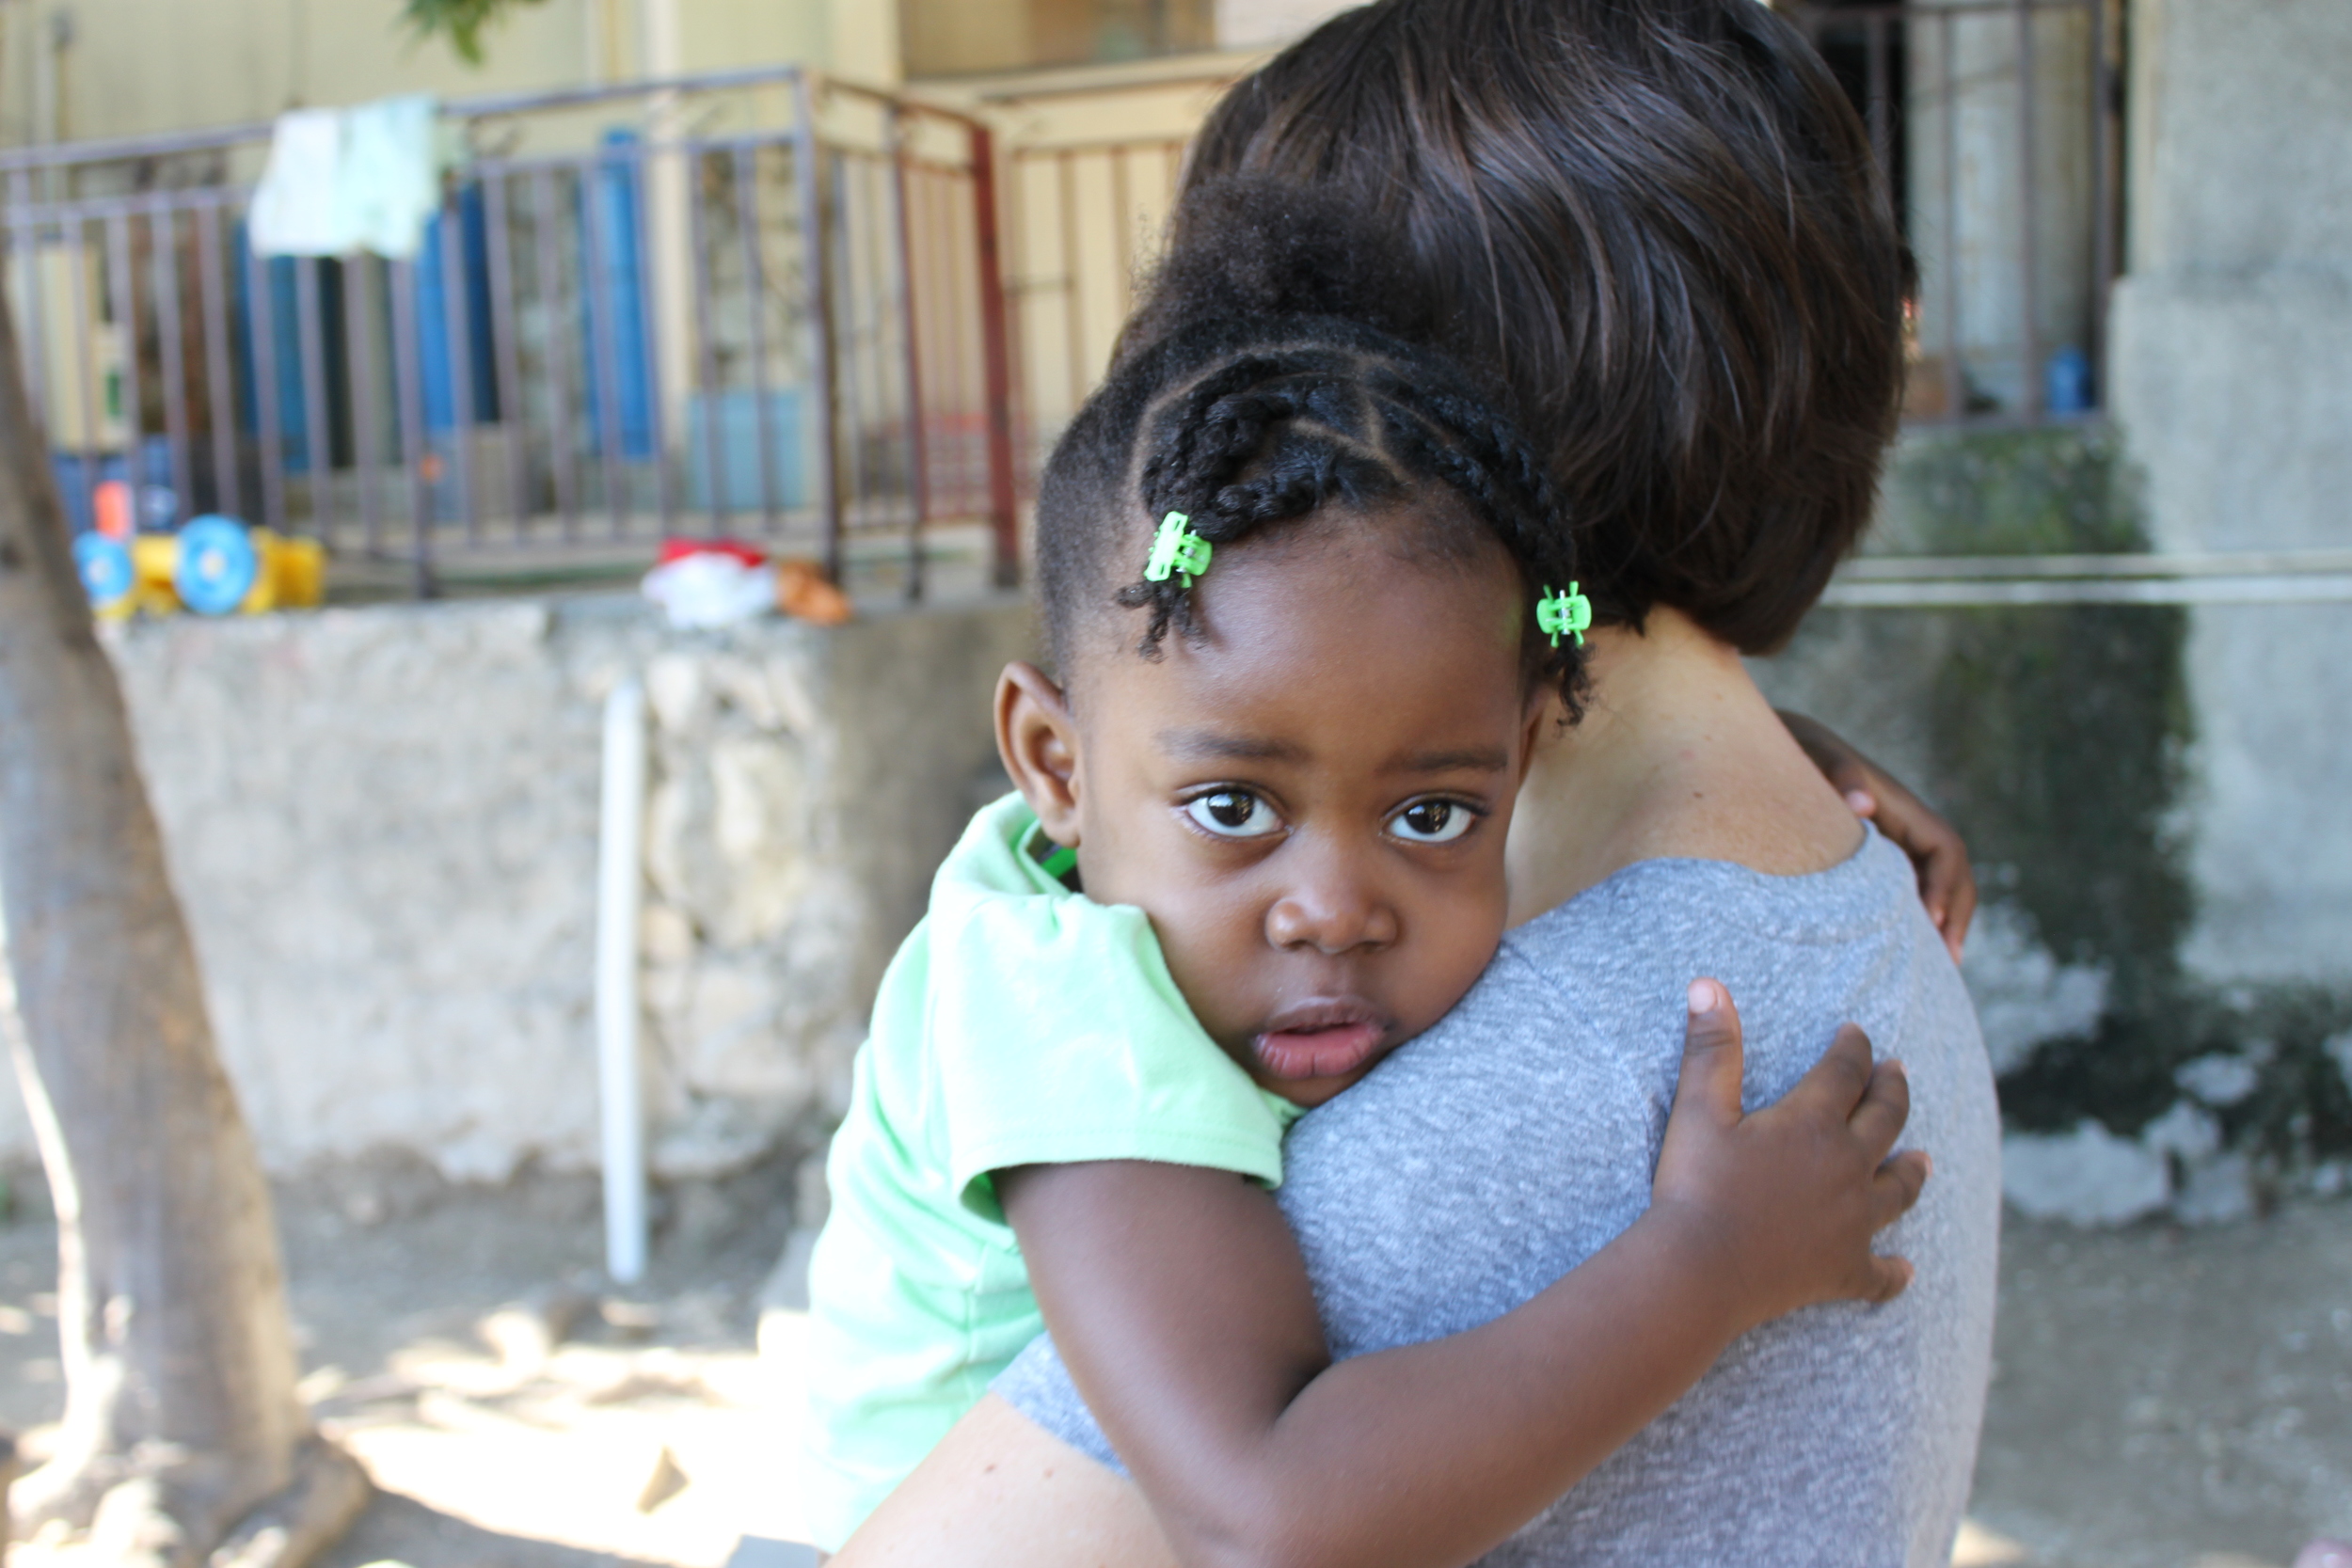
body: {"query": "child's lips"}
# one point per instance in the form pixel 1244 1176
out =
pixel 1326 1040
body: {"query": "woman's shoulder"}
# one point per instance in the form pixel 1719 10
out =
pixel 1591 991
pixel 1680 900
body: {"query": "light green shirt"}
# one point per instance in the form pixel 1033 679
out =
pixel 1021 1024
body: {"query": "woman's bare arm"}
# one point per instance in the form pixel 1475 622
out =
pixel 1001 1492
pixel 1181 1306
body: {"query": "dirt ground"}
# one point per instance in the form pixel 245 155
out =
pixel 2164 1398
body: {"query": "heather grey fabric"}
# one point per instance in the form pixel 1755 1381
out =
pixel 1515 1138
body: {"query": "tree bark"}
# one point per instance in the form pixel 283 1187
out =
pixel 182 1418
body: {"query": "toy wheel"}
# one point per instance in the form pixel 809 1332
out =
pixel 218 567
pixel 106 572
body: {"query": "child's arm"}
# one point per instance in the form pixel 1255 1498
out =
pixel 1947 884
pixel 1180 1303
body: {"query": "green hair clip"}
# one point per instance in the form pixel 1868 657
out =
pixel 1568 612
pixel 1177 548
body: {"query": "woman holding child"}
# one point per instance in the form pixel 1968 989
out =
pixel 1650 237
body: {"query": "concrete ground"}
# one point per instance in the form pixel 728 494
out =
pixel 2164 1398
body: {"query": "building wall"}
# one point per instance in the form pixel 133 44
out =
pixel 383 823
pixel 1271 23
pixel 134 67
pixel 2232 382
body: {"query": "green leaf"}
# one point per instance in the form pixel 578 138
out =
pixel 461 21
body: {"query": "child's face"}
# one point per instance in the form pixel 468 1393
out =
pixel 1311 802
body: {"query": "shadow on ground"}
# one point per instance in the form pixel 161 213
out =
pixel 401 1530
pixel 2163 1398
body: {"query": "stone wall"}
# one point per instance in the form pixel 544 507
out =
pixel 383 826
pixel 2163 963
pixel 2233 370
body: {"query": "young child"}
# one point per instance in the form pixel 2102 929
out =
pixel 1310 605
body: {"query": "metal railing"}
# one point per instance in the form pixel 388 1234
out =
pixel 766 305
pixel 1085 220
pixel 1996 124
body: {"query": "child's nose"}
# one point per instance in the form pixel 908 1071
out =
pixel 1333 910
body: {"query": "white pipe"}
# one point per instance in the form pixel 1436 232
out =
pixel 1931 594
pixel 620 880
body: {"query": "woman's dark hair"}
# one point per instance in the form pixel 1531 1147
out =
pixel 1658 224
pixel 1269 397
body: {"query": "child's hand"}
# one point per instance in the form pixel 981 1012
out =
pixel 1947 883
pixel 1785 1202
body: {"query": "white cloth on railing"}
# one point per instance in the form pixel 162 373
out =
pixel 367 178
pixel 294 209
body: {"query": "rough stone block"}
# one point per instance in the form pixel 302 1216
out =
pixel 383 824
pixel 2087 1177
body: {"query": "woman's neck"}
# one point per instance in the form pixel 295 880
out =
pixel 1678 755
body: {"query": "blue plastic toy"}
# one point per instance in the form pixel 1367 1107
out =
pixel 2066 382
pixel 107 571
pixel 218 565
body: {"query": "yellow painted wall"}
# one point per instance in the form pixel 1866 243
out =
pixel 138 66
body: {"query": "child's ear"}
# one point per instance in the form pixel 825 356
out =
pixel 1543 716
pixel 1038 742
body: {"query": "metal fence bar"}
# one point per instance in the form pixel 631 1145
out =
pixel 456 323
pixel 1012 302
pixel 706 344
pixel 857 330
pixel 318 439
pixel 1875 41
pixel 746 163
pixel 165 271
pixel 995 363
pixel 603 350
pixel 25 249
pixel 86 372
pixel 564 457
pixel 408 418
pixel 2107 141
pixel 228 494
pixel 262 334
pixel 807 170
pixel 947 352
pixel 1124 235
pixel 123 294
pixel 1955 379
pixel 506 359
pixel 1073 302
pixel 2029 253
pixel 918 442
pixel 648 294
pixel 361 374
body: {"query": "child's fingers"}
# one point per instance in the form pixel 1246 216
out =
pixel 1952 889
pixel 1884 1107
pixel 1897 1185
pixel 1712 1056
pixel 1837 1084
pixel 1884 1279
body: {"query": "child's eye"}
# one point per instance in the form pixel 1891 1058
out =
pixel 1432 821
pixel 1232 813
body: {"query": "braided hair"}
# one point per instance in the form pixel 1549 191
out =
pixel 1247 420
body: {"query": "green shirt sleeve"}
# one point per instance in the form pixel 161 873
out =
pixel 1058 1035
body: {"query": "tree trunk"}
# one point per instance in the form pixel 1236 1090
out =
pixel 184 1438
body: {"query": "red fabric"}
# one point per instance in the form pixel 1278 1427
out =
pixel 679 549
